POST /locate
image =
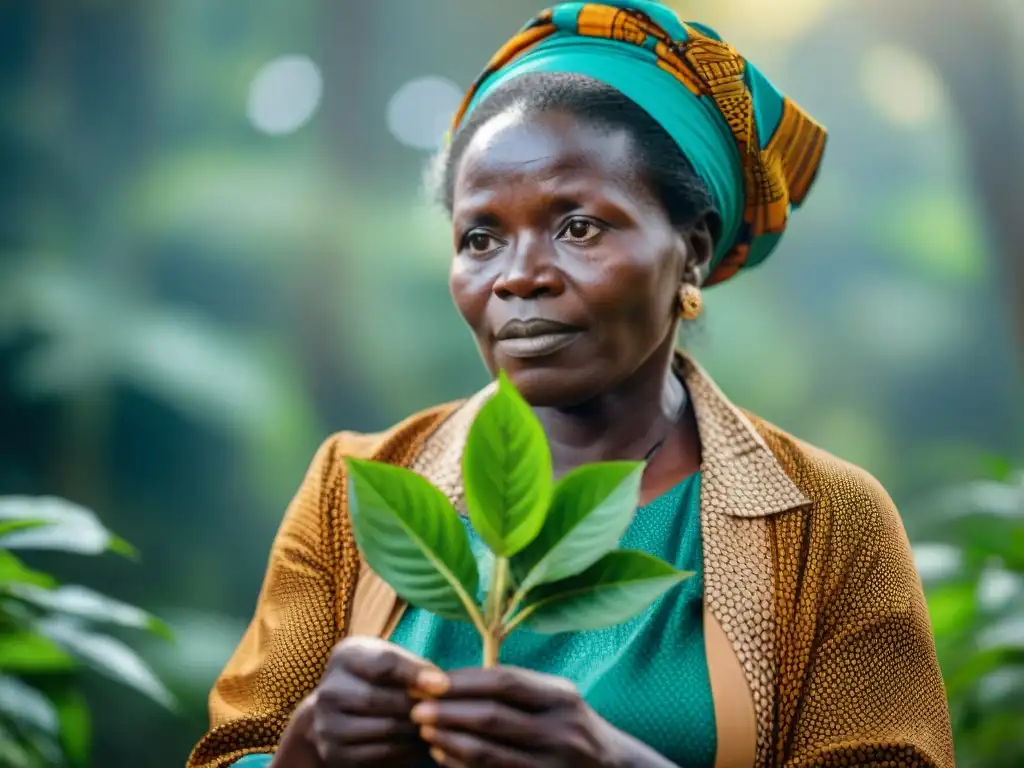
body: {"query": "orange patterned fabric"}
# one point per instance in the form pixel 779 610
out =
pixel 858 682
pixel 807 569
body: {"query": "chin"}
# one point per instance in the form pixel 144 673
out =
pixel 552 386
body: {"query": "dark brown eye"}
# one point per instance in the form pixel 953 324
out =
pixel 580 231
pixel 479 242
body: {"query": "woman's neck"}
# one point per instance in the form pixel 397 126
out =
pixel 624 424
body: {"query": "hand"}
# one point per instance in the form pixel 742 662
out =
pixel 359 715
pixel 508 717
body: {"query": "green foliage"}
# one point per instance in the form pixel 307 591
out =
pixel 506 472
pixel 412 537
pixel 614 589
pixel 591 509
pixel 552 548
pixel 48 633
pixel 977 609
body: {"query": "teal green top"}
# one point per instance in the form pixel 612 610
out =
pixel 647 677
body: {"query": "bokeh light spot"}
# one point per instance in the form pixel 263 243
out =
pixel 901 86
pixel 420 112
pixel 284 94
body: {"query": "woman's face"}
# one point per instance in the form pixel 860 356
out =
pixel 566 267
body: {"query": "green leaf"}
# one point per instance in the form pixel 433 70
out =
pixel 15 613
pixel 506 468
pixel 619 586
pixel 28 652
pixel 13 571
pixel 75 726
pixel 44 745
pixel 998 468
pixel 88 604
pixel 19 525
pixel 591 508
pixel 980 664
pixel 23 704
pixel 953 609
pixel 68 527
pixel 108 656
pixel 12 753
pixel 413 538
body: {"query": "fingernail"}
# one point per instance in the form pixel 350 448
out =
pixel 428 733
pixel 425 712
pixel 432 681
pixel 416 693
pixel 438 756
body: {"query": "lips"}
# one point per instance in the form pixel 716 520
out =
pixel 535 337
pixel 523 329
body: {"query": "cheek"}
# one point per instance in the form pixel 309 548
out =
pixel 662 276
pixel 643 310
pixel 470 291
pixel 637 291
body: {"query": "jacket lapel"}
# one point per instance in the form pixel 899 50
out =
pixel 742 487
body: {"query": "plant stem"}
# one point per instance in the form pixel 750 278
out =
pixel 493 611
pixel 492 645
pixel 511 622
pixel 513 604
pixel 499 586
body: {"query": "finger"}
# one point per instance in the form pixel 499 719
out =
pixel 341 692
pixel 380 753
pixel 345 729
pixel 378 661
pixel 438 756
pixel 519 687
pixel 487 718
pixel 457 749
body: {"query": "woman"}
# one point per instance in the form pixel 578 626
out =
pixel 609 162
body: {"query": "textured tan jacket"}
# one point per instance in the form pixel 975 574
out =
pixel 818 640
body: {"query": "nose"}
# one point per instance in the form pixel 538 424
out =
pixel 530 271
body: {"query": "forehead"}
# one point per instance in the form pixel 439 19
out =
pixel 514 149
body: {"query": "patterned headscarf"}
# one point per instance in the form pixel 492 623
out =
pixel 757 151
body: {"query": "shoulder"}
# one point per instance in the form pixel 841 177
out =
pixel 844 496
pixel 395 445
pixel 318 509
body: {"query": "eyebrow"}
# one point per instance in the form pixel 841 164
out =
pixel 564 203
pixel 481 219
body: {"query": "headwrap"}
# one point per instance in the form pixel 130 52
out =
pixel 757 151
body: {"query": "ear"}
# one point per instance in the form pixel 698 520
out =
pixel 700 247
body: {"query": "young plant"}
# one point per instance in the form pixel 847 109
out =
pixel 49 632
pixel 556 565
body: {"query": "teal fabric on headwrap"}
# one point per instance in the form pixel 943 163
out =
pixel 754 149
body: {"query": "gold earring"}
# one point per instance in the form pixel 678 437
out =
pixel 691 302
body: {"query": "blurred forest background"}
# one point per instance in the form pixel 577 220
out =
pixel 215 250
